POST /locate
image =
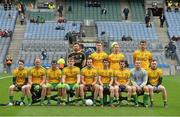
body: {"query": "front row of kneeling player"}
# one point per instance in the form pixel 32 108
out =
pixel 72 79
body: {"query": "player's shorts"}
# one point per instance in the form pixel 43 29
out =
pixel 18 87
pixel 156 89
pixel 88 88
pixel 72 86
pixel 53 86
pixel 36 88
pixel 106 88
pixel 122 88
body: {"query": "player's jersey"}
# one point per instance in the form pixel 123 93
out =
pixel 106 75
pixel 37 74
pixel 98 59
pixel 114 60
pixel 122 75
pixel 89 74
pixel 20 75
pixel 154 75
pixel 79 58
pixel 144 57
pixel 71 74
pixel 54 76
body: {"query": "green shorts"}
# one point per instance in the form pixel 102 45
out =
pixel 52 85
pixel 106 86
pixel 72 86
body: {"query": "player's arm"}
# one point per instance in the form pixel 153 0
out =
pixel 63 78
pixel 82 80
pixel 159 81
pixel 95 80
pixel 145 79
pixel 78 78
pixel 100 80
pixel 116 82
pixel 84 60
pixel 30 80
pixel 44 80
pixel 14 80
pixel 26 80
pixel 128 81
pixel 111 81
pixel 134 56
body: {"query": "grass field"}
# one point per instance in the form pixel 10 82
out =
pixel 171 83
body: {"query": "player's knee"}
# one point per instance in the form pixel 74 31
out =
pixel 146 89
pixel 11 87
pixel 101 88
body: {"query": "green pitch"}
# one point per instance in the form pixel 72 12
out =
pixel 171 83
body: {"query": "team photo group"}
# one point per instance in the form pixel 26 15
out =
pixel 87 80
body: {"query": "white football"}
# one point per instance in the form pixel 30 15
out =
pixel 89 102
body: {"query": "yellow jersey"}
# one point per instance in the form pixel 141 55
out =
pixel 122 75
pixel 106 75
pixel 154 75
pixel 37 74
pixel 98 59
pixel 71 74
pixel 114 60
pixel 89 74
pixel 144 57
pixel 54 76
pixel 20 75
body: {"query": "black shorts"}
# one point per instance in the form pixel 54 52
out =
pixel 88 88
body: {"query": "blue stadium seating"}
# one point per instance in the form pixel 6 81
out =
pixel 173 19
pixel 48 30
pixel 116 30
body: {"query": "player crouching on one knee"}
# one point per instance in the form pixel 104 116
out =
pixel 122 80
pixel 155 82
pixel 20 80
pixel 106 82
pixel 53 81
pixel 37 79
pixel 139 81
pixel 89 81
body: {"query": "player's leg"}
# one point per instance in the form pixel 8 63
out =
pixel 96 91
pixel 48 92
pixel 76 88
pixel 82 92
pixel 111 95
pixel 28 94
pixel 116 91
pixel 146 95
pixel 164 94
pixel 134 95
pixel 151 94
pixel 23 89
pixel 11 92
pixel 129 90
pixel 43 94
pixel 101 94
pixel 64 89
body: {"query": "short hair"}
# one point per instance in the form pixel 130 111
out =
pixel 97 42
pixel 71 58
pixel 143 41
pixel 154 60
pixel 76 43
pixel 21 60
pixel 54 62
pixel 106 59
pixel 89 58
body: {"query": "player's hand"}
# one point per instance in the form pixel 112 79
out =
pixel 139 89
